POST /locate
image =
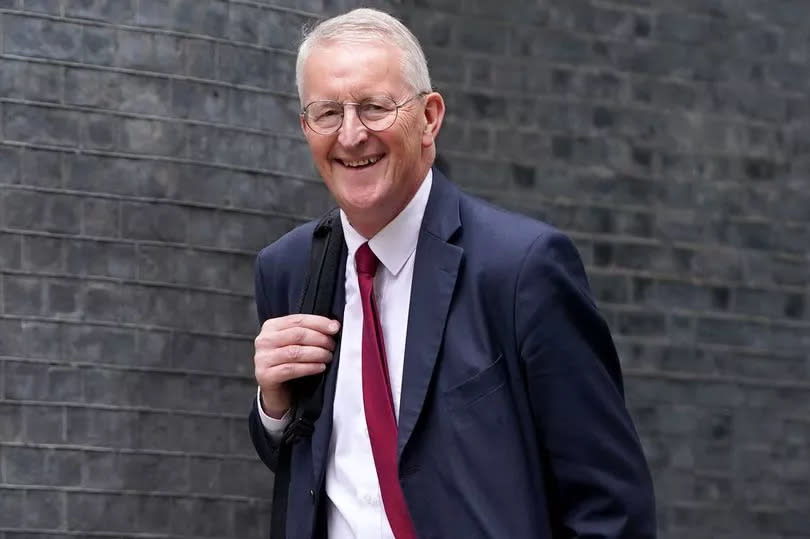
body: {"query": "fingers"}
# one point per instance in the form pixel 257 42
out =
pixel 310 321
pixel 293 353
pixel 295 335
pixel 290 371
pixel 292 346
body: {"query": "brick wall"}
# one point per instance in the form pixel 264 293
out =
pixel 148 148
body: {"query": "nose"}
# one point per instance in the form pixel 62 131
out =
pixel 352 132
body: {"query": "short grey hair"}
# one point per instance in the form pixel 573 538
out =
pixel 367 25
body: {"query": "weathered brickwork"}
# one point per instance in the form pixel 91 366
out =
pixel 148 149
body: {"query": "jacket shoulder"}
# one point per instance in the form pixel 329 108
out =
pixel 290 246
pixel 501 230
pixel 280 272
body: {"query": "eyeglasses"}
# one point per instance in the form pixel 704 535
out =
pixel 377 113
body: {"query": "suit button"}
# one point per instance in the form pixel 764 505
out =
pixel 311 493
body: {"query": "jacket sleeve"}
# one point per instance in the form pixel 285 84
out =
pixel 265 447
pixel 599 482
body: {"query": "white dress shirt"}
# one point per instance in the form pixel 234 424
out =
pixel 355 509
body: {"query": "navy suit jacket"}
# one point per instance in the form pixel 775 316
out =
pixel 512 420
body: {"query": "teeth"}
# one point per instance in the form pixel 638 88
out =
pixel 362 162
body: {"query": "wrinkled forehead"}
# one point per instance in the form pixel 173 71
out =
pixel 352 69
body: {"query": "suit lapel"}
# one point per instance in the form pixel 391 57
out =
pixel 434 279
pixel 323 426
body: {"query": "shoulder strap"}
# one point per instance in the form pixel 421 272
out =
pixel 318 297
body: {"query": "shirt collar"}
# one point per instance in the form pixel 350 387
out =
pixel 396 242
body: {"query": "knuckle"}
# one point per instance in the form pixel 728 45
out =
pixel 294 351
pixel 288 370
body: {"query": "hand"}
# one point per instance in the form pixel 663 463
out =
pixel 290 347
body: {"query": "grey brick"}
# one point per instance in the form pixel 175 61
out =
pixel 155 13
pixel 62 299
pixel 11 507
pixel 205 475
pixel 244 517
pixel 10 163
pixel 119 11
pixel 11 424
pixel 205 184
pixel 22 295
pixel 40 125
pixel 208 19
pixel 117 91
pixel 104 175
pixel 245 230
pixel 155 431
pixel 101 258
pixel 44 424
pixel 159 264
pixel 42 467
pixel 151 52
pixel 165 307
pixel 198 434
pixel 199 101
pixel 241 65
pixel 27 381
pixel 101 217
pixel 168 53
pixel 101 470
pixel 42 6
pixel 240 476
pixel 151 137
pixel 160 222
pixel 102 428
pixel 30 36
pixel 10 250
pixel 42 339
pixel 104 302
pixel 41 168
pixel 40 211
pixel 94 512
pixel 200 58
pixel 201 353
pixel 98 45
pixel 153 473
pixel 98 344
pixel 38 82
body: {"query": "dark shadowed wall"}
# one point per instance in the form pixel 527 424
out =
pixel 149 148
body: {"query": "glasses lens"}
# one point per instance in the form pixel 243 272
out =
pixel 324 116
pixel 377 113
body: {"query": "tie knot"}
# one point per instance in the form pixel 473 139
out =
pixel 365 260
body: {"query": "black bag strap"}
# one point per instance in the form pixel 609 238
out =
pixel 308 392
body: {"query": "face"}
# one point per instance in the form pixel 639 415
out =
pixel 372 174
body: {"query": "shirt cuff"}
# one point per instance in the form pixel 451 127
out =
pixel 273 427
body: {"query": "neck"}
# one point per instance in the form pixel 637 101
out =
pixel 369 222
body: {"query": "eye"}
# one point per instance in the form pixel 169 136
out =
pixel 374 107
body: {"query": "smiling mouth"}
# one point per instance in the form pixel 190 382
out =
pixel 360 163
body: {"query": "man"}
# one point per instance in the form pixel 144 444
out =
pixel 477 391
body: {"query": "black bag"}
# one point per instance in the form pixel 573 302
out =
pixel 307 392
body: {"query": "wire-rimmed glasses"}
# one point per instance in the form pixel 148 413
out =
pixel 377 113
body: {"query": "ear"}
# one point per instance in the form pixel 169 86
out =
pixel 302 123
pixel 434 115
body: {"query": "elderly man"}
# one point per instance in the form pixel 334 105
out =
pixel 477 391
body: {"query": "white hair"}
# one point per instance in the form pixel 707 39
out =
pixel 367 25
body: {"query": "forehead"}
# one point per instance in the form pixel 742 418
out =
pixel 351 71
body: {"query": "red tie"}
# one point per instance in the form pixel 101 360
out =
pixel 377 401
